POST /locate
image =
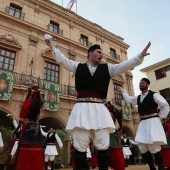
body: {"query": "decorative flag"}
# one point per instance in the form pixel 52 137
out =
pixel 6 84
pixel 70 4
pixel 51 96
pixel 126 110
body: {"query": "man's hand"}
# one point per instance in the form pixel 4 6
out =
pixel 144 52
pixel 48 40
pixel 61 148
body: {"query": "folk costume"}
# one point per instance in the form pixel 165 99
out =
pixel 1 142
pixel 31 141
pixel 92 85
pixel 11 159
pixel 165 150
pixel 72 156
pixel 126 149
pixel 93 159
pixel 16 135
pixel 51 150
pixel 88 155
pixel 116 153
pixel 150 135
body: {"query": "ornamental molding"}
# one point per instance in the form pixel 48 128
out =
pixel 33 40
pixel 9 40
pixel 17 2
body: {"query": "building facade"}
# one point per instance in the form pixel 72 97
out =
pixel 23 52
pixel 159 75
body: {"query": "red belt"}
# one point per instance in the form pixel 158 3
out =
pixel 88 93
pixel 148 112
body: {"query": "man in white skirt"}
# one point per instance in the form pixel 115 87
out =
pixel 16 135
pixel 51 150
pixel 126 150
pixel 1 142
pixel 90 119
pixel 152 107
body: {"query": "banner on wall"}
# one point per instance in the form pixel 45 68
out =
pixel 6 84
pixel 126 110
pixel 51 96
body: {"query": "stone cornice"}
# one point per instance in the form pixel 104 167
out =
pixel 43 31
pixel 84 23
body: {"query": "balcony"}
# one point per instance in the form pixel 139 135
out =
pixel 27 80
pixel 115 56
pixel 55 29
pixel 14 12
pixel 85 42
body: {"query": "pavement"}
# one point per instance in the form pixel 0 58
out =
pixel 130 167
pixel 137 167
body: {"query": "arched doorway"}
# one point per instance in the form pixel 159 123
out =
pixel 5 121
pixel 52 122
pixel 129 133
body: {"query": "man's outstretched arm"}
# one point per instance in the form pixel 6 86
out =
pixel 117 69
pixel 60 58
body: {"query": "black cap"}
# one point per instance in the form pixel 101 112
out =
pixel 94 47
pixel 146 80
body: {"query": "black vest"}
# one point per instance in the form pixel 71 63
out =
pixel 126 143
pixel 147 104
pixel 98 82
pixel 51 139
pixel 34 110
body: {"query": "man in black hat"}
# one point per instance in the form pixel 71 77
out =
pixel 92 80
pixel 51 150
pixel 150 135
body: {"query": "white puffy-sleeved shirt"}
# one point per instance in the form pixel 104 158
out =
pixel 84 114
pixel 150 130
pixel 15 123
pixel 1 141
pixel 51 149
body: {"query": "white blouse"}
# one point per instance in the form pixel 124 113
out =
pixel 162 103
pixel 1 141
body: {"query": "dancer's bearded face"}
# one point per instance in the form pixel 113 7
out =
pixel 143 85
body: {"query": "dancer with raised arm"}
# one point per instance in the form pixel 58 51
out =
pixel 91 81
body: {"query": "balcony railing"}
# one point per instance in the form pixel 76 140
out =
pixel 117 57
pixel 27 80
pixel 85 42
pixel 55 29
pixel 14 12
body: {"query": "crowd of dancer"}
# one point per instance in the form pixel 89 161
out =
pixel 29 140
pixel 91 82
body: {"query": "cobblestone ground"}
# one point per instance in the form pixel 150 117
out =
pixel 130 167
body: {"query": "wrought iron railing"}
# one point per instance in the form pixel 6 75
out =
pixel 117 57
pixel 55 29
pixel 15 12
pixel 28 80
pixel 85 42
